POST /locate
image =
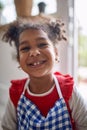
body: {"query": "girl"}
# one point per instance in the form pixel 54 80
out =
pixel 45 100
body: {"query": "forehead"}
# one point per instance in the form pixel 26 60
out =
pixel 33 33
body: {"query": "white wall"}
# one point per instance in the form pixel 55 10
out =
pixel 8 67
pixel 64 49
pixel 68 53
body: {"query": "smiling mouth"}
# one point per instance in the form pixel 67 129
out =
pixel 37 64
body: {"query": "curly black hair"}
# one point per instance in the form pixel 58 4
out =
pixel 53 27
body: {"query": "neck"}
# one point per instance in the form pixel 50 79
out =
pixel 41 85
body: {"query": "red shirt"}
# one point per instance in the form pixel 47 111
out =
pixel 44 103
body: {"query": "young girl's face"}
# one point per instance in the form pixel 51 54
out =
pixel 36 53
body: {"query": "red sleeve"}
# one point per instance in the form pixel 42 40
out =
pixel 16 89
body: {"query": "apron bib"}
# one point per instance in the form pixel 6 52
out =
pixel 30 118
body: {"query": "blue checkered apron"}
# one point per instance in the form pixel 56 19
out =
pixel 30 118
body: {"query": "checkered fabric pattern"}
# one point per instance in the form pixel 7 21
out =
pixel 30 118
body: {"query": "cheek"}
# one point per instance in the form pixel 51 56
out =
pixel 51 54
pixel 22 58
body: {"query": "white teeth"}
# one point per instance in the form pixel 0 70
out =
pixel 36 63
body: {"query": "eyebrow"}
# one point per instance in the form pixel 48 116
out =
pixel 40 38
pixel 26 41
pixel 23 42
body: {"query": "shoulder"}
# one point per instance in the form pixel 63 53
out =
pixel 66 84
pixel 16 89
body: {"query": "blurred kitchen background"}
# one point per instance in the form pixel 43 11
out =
pixel 73 56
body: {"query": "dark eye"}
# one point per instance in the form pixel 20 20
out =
pixel 24 49
pixel 42 45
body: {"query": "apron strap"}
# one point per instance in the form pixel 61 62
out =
pixel 57 86
pixel 26 85
pixel 56 83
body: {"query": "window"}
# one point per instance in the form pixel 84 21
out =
pixel 51 6
pixel 8 12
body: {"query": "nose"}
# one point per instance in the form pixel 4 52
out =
pixel 34 52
